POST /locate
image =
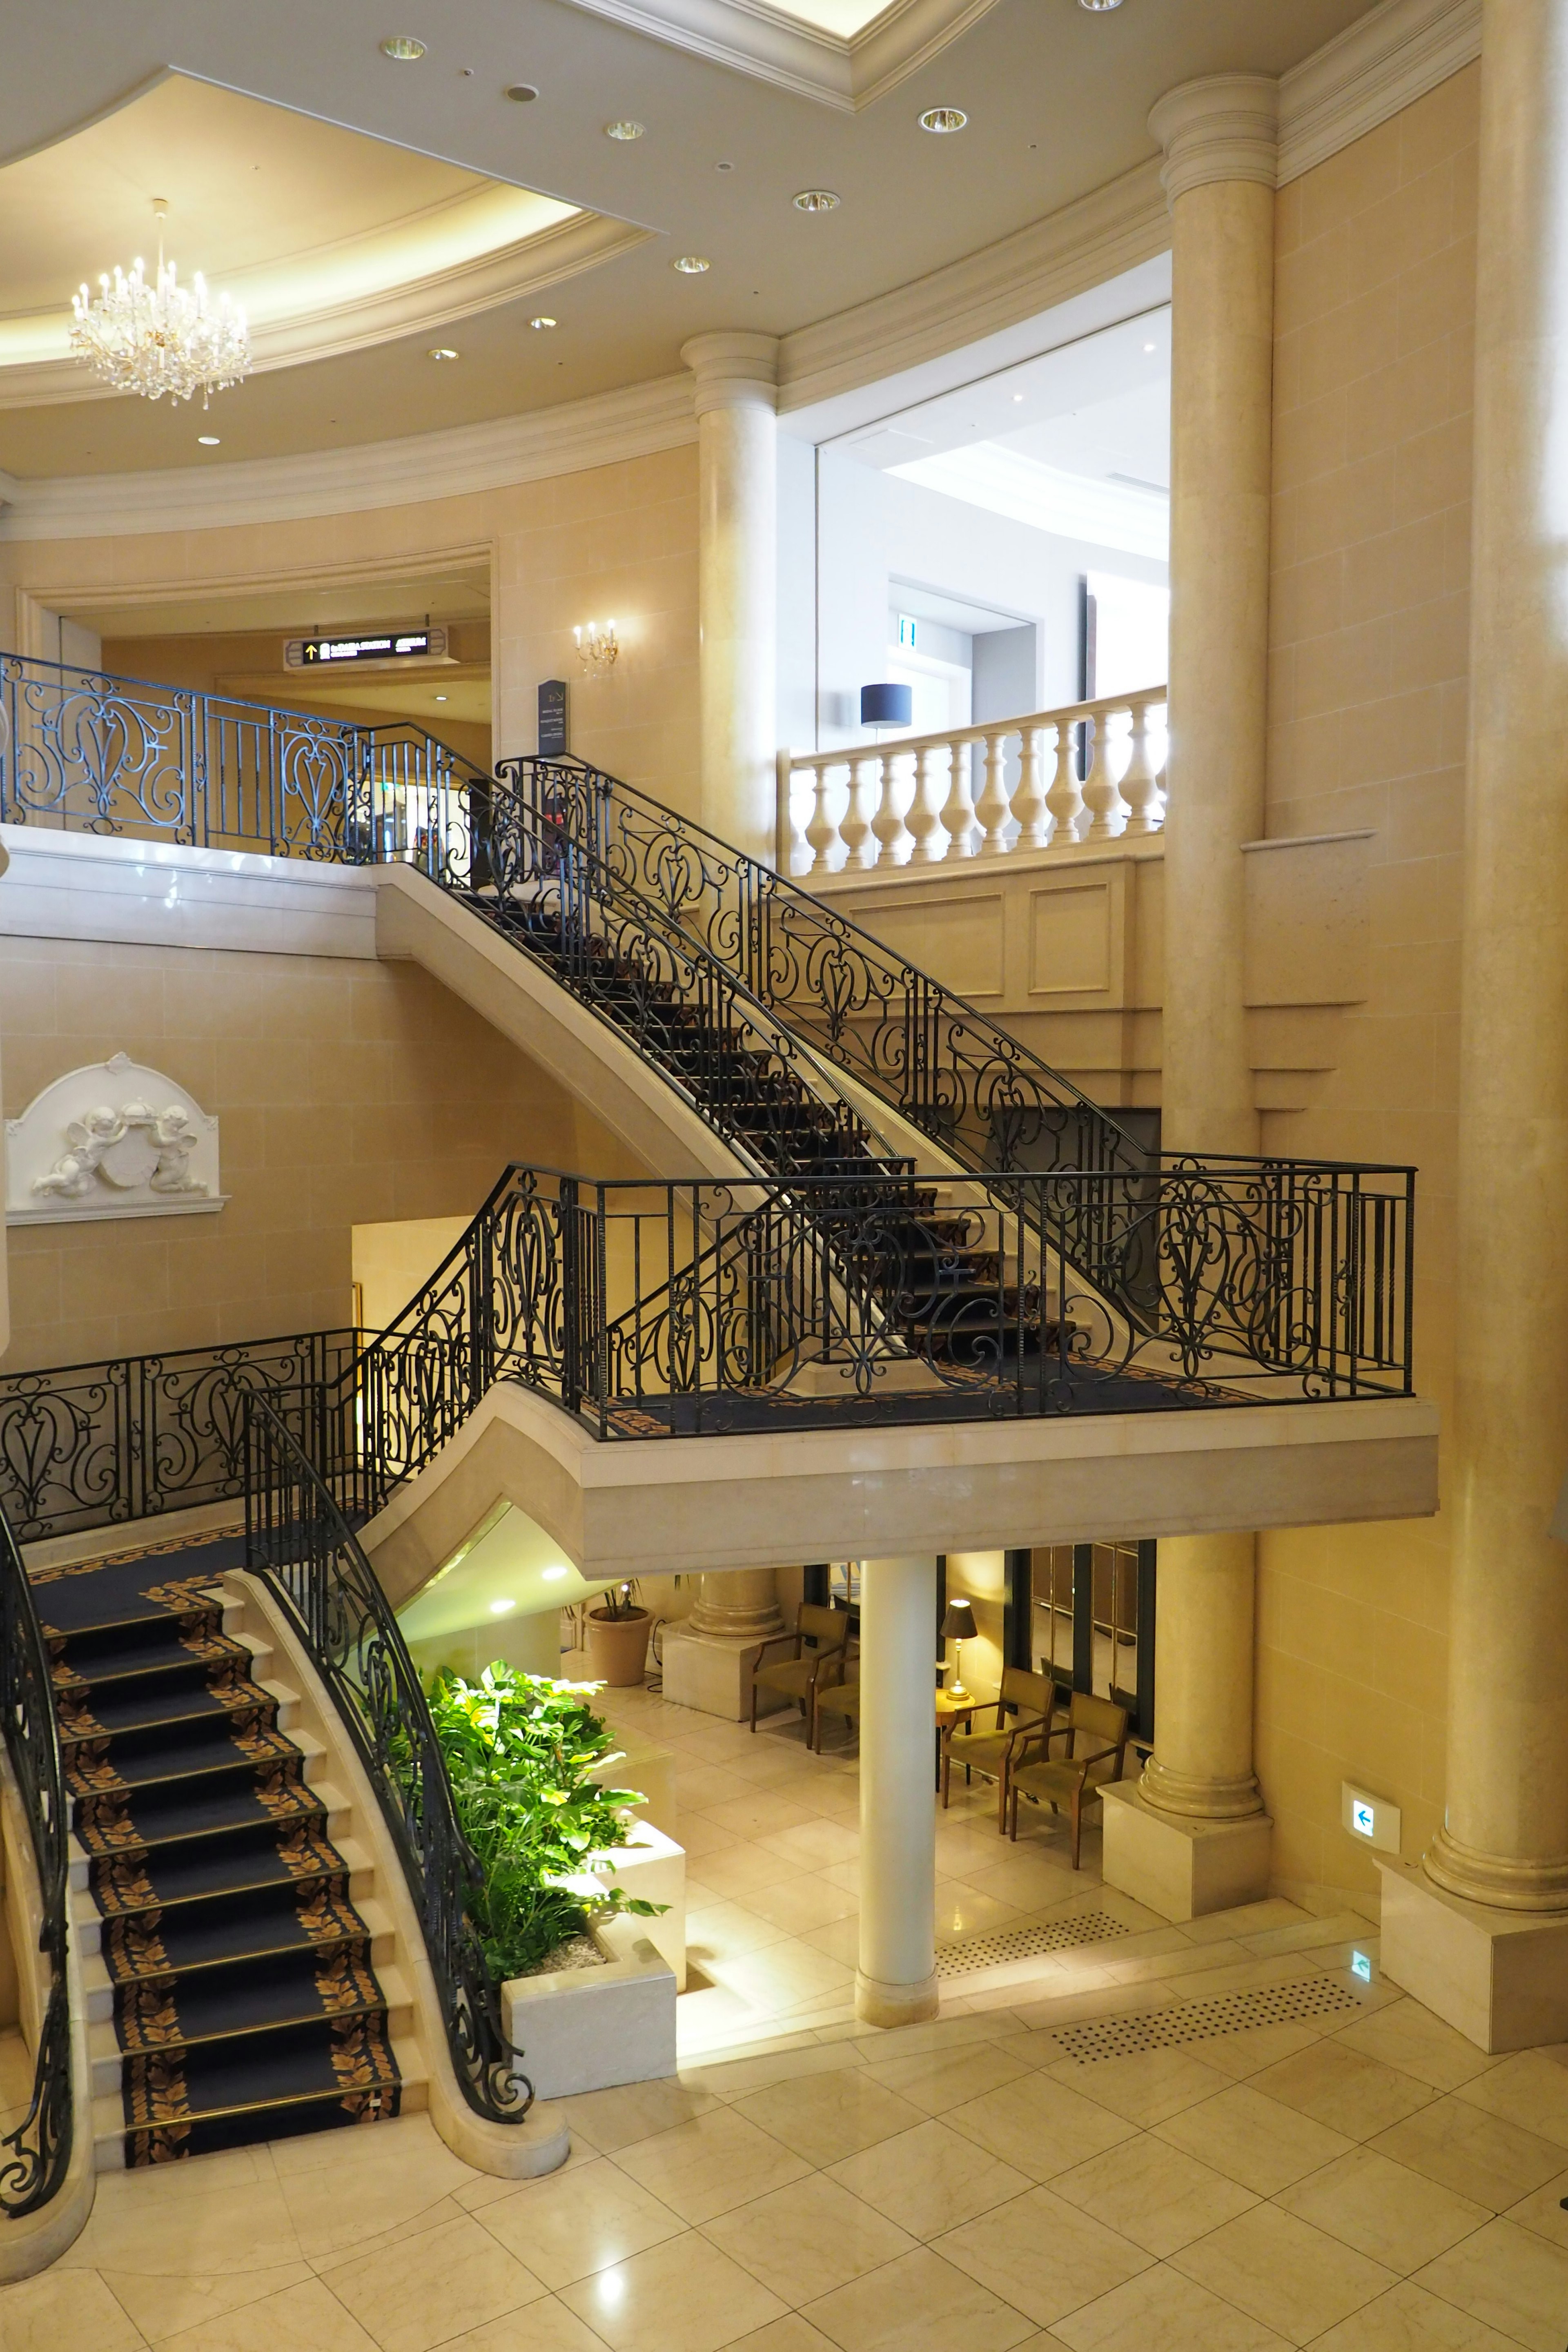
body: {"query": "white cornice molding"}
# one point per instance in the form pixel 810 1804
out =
pixel 751 37
pixel 1375 69
pixel 1081 245
pixel 604 430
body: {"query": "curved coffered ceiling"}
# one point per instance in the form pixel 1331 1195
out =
pixel 1056 99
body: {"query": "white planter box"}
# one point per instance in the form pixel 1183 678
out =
pixel 592 2029
pixel 651 1868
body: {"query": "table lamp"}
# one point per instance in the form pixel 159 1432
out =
pixel 958 1626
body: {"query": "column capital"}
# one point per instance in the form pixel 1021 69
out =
pixel 1224 127
pixel 734 369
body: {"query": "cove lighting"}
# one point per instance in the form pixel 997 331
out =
pixel 816 200
pixel 500 1608
pixel 942 118
pixel 402 49
pixel 628 129
pixel 690 265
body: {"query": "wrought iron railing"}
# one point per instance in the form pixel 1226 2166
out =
pixel 86 1445
pixel 36 2155
pixel 97 753
pixel 297 1537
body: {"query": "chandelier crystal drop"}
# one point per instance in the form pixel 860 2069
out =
pixel 159 339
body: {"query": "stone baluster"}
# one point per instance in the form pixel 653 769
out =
pixel 1065 799
pixel 1108 813
pixel 958 810
pixel 889 822
pixel 822 832
pixel 1140 786
pixel 855 825
pixel 1029 800
pixel 795 850
pixel 924 818
pixel 996 810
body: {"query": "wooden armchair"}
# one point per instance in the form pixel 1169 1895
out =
pixel 841 1697
pixel 1073 1778
pixel 990 1753
pixel 828 1632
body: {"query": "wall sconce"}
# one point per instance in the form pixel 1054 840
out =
pixel 597 647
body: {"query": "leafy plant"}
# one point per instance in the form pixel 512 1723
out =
pixel 618 1601
pixel 520 1750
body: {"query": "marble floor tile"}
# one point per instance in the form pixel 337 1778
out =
pixel 1284 2272
pixel 938 2080
pixel 727 1930
pixel 1246 1919
pixel 791 2334
pixel 1156 2195
pixel 134 2226
pixel 609 2120
pixel 915 2304
pixel 1161 2310
pixel 757 1814
pixel 701 1838
pixel 699 1787
pixel 737 1870
pixel 824 2117
pixel 1384 2210
pixel 1038 2126
pixel 413 2295
pixel 306 2318
pixel 1408 2319
pixel 1509 2278
pixel 1409 2038
pixel 1543 2211
pixel 806 2240
pixel 1240 2056
pixel 1346 2089
pixel 1145 2088
pixel 929 2180
pixel 161 2305
pixel 814 1843
pixel 736 2078
pixel 839 1940
pixel 570 2223
pixel 1043 2256
pixel 1477 2155
pixel 715 2162
pixel 1529 2089
pixel 682 2297
pixel 797 1903
pixel 1253 2141
pixel 783 1976
pixel 59 2308
pixel 543 2326
pixel 962 1910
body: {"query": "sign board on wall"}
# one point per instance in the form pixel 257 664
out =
pixel 369 646
pixel 552 718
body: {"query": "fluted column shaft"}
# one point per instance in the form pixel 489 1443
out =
pixel 737 432
pixel 1505 1837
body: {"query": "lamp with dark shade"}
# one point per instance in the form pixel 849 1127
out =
pixel 887 706
pixel 958 1626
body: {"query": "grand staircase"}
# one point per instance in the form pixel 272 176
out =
pixel 240 1989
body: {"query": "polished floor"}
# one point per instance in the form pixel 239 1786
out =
pixel 1357 2178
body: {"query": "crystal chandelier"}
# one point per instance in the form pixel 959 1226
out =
pixel 159 339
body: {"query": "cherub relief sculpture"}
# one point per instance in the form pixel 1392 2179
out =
pixel 125 1148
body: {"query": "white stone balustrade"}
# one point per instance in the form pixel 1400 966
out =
pixel 908 800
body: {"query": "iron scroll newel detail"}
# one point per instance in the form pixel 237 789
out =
pixel 36 2157
pixel 297 1537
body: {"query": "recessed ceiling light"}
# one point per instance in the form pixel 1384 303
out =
pixel 628 129
pixel 443 351
pixel 690 265
pixel 723 167
pixel 553 1575
pixel 1149 347
pixel 441 697
pixel 500 1608
pixel 816 200
pixel 1018 396
pixel 541 322
pixel 522 91
pixel 944 118
pixel 1099 7
pixel 209 440
pixel 402 49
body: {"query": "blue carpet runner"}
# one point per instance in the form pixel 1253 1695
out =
pixel 245 2003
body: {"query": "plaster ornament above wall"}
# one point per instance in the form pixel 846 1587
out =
pixel 114 1139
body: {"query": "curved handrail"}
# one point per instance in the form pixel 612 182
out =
pixel 297 1537
pixel 36 2157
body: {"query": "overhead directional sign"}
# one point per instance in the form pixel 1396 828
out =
pixel 377 645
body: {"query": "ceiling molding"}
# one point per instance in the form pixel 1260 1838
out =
pixel 751 37
pixel 1081 245
pixel 603 430
pixel 422 306
pixel 1382 64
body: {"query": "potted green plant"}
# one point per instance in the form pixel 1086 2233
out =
pixel 618 1633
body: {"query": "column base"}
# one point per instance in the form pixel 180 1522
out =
pixel 712 1673
pixel 1183 1869
pixel 1500 1977
pixel 894 2004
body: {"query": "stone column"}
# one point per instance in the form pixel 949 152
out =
pixel 1481 1933
pixel 709 1660
pixel 896 1982
pixel 736 396
pixel 1192 1836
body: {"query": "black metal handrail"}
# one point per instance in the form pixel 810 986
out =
pixel 36 2157
pixel 297 1539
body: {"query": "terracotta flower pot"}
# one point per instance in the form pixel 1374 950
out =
pixel 617 1647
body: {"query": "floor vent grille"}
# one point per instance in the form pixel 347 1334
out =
pixel 1200 2021
pixel 979 1952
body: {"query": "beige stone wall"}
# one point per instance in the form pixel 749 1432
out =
pixel 616 539
pixel 1375 302
pixel 349 1093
